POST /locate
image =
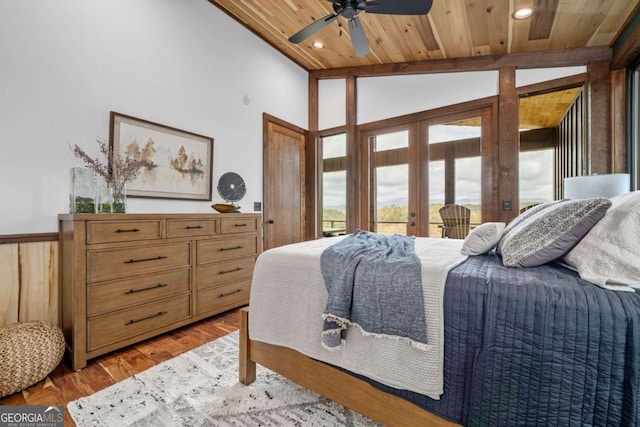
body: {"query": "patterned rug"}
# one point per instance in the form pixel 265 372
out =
pixel 201 388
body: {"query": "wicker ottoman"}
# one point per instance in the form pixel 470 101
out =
pixel 29 351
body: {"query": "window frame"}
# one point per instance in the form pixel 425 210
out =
pixel 633 127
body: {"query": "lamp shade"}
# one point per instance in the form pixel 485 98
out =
pixel 585 187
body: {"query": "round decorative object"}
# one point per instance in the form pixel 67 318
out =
pixel 231 187
pixel 29 351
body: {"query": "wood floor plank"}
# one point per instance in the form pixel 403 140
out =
pixel 64 385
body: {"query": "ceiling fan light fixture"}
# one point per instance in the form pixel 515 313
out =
pixel 523 13
pixel 318 45
pixel 349 9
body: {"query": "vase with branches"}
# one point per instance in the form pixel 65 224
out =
pixel 116 173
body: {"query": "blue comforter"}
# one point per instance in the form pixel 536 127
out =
pixel 536 347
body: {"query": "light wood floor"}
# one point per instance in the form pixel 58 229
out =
pixel 64 385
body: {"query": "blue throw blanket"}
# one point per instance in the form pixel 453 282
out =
pixel 373 281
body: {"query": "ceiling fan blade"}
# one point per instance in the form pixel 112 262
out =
pixel 358 38
pixel 312 29
pixel 399 7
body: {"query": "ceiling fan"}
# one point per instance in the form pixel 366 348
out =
pixel 348 9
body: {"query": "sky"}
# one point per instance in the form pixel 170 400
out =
pixel 536 172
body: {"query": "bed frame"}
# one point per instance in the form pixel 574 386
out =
pixel 332 383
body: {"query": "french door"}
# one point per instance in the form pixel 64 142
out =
pixel 413 169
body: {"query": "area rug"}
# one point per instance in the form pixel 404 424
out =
pixel 201 388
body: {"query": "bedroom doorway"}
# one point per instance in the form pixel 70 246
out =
pixel 283 182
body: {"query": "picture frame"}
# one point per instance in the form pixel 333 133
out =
pixel 180 163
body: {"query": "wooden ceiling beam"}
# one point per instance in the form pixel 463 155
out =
pixel 544 59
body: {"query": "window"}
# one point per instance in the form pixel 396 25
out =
pixel 536 176
pixel 334 184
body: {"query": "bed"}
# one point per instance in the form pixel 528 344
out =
pixel 520 346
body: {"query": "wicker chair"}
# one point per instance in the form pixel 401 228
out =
pixel 527 207
pixel 29 351
pixel 455 221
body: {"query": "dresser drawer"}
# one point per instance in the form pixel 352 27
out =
pixel 188 228
pixel 111 296
pixel 111 328
pixel 125 262
pixel 224 249
pixel 223 272
pixel 238 225
pixel 122 231
pixel 223 296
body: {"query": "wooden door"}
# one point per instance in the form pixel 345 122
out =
pixel 284 184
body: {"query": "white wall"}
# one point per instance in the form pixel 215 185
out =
pixel 332 103
pixel 391 96
pixel 65 64
pixel 537 75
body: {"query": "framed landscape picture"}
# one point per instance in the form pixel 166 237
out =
pixel 178 164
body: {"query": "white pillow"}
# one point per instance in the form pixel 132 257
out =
pixel 610 252
pixel 483 238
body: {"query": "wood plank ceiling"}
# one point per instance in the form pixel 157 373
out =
pixel 452 29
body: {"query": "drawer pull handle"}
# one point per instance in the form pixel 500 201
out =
pixel 230 271
pixel 133 291
pixel 230 293
pixel 192 227
pixel 158 314
pixel 131 261
pixel 131 230
pixel 239 225
pixel 230 249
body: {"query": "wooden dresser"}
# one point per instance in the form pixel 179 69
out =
pixel 128 277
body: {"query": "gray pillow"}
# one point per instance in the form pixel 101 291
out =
pixel 551 232
pixel 524 216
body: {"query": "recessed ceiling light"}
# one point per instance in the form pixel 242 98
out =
pixel 318 45
pixel 523 13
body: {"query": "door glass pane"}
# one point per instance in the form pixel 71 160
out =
pixel 334 184
pixel 390 186
pixel 391 141
pixel 455 170
pixel 454 132
pixel 469 187
pixel 392 204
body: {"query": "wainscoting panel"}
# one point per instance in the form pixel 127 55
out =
pixel 29 288
pixel 9 284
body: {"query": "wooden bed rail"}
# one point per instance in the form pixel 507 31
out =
pixel 332 383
